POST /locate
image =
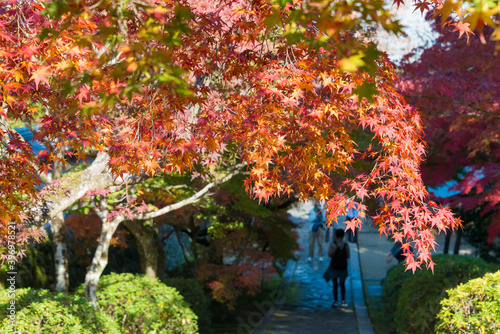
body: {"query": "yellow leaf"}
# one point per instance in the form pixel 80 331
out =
pixel 495 36
pixel 449 6
pixel 352 63
pixel 18 76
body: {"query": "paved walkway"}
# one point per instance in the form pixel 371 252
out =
pixel 312 312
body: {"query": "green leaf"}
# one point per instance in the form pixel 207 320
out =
pixel 366 90
pixel 372 54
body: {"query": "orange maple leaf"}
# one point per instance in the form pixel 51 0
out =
pixel 151 166
pixel 41 75
pixel 45 168
pixel 463 28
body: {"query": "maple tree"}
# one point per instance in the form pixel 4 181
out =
pixel 132 213
pixel 456 87
pixel 237 243
pixel 162 87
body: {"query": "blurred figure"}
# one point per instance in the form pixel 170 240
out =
pixel 316 231
pixel 352 213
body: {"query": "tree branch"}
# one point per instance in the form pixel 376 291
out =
pixel 190 200
pixel 73 188
pixel 487 112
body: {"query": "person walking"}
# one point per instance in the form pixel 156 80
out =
pixel 397 252
pixel 337 270
pixel 316 232
pixel 352 213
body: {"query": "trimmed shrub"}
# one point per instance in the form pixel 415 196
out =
pixel 42 311
pixel 420 294
pixel 193 293
pixel 392 286
pixel 473 307
pixel 144 305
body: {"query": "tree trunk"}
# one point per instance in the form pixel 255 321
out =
pixel 458 240
pixel 100 260
pixel 60 247
pixel 60 252
pixel 151 253
pixel 194 242
pixel 447 243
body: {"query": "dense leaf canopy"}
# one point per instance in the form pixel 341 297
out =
pixel 169 86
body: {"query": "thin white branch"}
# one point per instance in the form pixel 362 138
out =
pixel 190 200
pixel 96 176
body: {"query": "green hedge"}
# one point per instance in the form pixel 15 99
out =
pixel 42 311
pixel 144 305
pixel 391 288
pixel 420 294
pixel 193 293
pixel 473 307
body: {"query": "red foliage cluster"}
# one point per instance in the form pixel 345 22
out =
pixel 168 88
pixel 456 87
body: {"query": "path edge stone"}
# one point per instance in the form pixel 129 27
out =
pixel 362 316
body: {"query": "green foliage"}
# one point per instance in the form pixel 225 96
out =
pixel 144 305
pixel 288 292
pixel 420 294
pixel 41 311
pixel 275 291
pixel 275 224
pixel 184 270
pixel 193 293
pixel 36 269
pixel 392 286
pixel 277 237
pixel 473 307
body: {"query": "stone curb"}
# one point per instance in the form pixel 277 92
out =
pixel 362 317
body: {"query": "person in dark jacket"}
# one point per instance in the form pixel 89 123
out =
pixel 337 270
pixel 397 252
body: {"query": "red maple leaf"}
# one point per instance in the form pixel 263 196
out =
pixel 352 224
pixel 431 265
pixel 362 193
pixel 83 94
pixel 411 264
pixel 263 194
pixel 29 50
pixel 398 3
pixel 142 208
pixel 45 168
pixel 423 6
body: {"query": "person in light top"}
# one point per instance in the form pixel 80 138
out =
pixel 316 231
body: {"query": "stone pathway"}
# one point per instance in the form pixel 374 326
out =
pixel 312 312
